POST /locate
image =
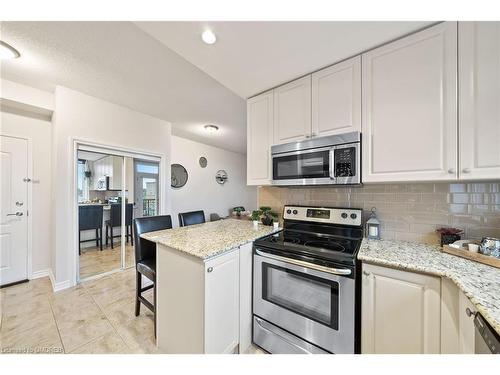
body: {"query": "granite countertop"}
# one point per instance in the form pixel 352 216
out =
pixel 479 282
pixel 209 239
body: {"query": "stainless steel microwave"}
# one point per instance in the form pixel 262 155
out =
pixel 331 160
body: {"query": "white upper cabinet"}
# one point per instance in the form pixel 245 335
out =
pixel 259 138
pixel 479 100
pixel 409 110
pixel 292 111
pixel 336 98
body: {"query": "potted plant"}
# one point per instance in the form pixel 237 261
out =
pixel 268 215
pixel 255 217
pixel 238 210
pixel 449 235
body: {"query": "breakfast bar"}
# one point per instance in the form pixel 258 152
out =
pixel 204 286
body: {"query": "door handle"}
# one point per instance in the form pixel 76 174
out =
pixel 301 263
pixel 18 213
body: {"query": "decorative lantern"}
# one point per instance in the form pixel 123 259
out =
pixel 373 226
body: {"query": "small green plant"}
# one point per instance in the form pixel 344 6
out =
pixel 268 215
pixel 256 215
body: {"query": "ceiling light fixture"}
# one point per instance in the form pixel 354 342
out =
pixel 211 128
pixel 8 52
pixel 208 37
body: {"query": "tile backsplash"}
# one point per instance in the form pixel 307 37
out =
pixel 410 211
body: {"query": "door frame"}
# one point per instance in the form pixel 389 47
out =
pixel 29 210
pixel 117 150
pixel 150 175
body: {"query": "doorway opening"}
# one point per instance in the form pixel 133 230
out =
pixel 112 189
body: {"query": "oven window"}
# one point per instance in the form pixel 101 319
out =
pixel 307 295
pixel 308 165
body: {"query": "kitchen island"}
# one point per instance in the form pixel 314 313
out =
pixel 204 285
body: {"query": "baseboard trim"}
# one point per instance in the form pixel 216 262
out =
pixel 58 286
pixel 40 274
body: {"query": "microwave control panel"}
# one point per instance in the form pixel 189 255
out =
pixel 345 161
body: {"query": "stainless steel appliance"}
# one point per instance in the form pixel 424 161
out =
pixel 486 341
pixel 305 288
pixel 102 183
pixel 328 160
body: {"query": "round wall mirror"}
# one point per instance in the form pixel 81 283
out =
pixel 221 176
pixel 203 162
pixel 179 176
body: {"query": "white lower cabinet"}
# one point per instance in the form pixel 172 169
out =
pixel 466 328
pixel 198 302
pixel 400 311
pixel 222 304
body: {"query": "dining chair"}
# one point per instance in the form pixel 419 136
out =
pixel 191 218
pixel 115 220
pixel 145 259
pixel 90 217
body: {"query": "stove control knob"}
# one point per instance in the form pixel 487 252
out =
pixel 344 215
pixel 354 216
pixel 295 212
pixel 288 211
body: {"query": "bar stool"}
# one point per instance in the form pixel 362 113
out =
pixel 145 258
pixel 115 220
pixel 191 218
pixel 90 217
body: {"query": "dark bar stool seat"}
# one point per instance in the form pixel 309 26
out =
pixel 191 218
pixel 90 217
pixel 115 220
pixel 145 258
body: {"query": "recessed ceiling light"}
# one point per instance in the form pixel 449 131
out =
pixel 8 52
pixel 211 128
pixel 208 37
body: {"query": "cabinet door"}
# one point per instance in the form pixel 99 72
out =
pixel 116 172
pixel 400 311
pixel 259 138
pixel 409 110
pixel 292 111
pixel 479 100
pixel 336 98
pixel 222 303
pixel 466 330
pixel 245 297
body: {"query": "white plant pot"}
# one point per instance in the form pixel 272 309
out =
pixel 255 223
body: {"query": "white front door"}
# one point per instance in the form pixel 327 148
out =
pixel 13 210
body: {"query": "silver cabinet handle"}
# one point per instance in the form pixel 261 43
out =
pixel 16 214
pixel 469 313
pixel 210 269
pixel 27 179
pixel 335 271
pixel 466 170
pixel 366 273
pixel 19 204
pixel 451 170
pixel 308 136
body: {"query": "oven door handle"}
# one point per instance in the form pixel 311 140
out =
pixel 317 267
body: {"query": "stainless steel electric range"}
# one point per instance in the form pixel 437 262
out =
pixel 305 283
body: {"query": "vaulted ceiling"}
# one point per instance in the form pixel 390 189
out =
pixel 165 70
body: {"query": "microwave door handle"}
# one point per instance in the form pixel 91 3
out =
pixel 332 163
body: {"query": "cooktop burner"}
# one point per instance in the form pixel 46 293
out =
pixel 315 245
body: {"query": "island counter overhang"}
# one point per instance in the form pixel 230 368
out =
pixel 203 281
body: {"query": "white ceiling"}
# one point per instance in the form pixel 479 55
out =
pixel 118 62
pixel 163 69
pixel 251 57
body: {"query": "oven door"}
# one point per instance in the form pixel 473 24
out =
pixel 307 167
pixel 315 305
